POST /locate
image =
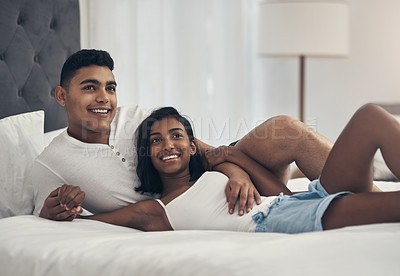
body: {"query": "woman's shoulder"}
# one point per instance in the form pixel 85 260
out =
pixel 213 174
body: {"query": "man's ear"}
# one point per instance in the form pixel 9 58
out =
pixel 60 94
pixel 193 148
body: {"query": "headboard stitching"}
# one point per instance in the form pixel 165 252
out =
pixel 36 38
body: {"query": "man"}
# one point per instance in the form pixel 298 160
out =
pixel 95 158
pixel 97 151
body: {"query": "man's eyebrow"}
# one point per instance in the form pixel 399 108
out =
pixel 97 82
pixel 90 81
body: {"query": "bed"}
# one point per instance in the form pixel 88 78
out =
pixel 39 35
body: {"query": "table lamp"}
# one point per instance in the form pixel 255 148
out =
pixel 313 28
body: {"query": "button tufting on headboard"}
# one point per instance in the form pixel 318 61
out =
pixel 36 37
pixel 52 24
pixel 19 21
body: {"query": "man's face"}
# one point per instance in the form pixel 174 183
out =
pixel 91 103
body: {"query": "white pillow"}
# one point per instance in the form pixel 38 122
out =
pixel 381 171
pixel 49 136
pixel 21 141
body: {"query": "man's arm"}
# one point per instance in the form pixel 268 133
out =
pixel 239 186
pixel 266 182
pixel 46 187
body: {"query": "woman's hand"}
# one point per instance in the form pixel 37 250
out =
pixel 64 203
pixel 70 197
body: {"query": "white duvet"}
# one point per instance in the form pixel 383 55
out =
pixel 33 246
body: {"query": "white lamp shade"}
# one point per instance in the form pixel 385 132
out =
pixel 304 28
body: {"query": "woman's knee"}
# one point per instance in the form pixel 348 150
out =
pixel 373 115
pixel 369 110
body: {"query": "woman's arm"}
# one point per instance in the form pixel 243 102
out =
pixel 146 215
pixel 239 187
pixel 266 182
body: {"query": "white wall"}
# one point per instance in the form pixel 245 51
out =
pixel 100 29
pixel 335 88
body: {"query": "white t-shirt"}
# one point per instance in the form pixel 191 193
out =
pixel 106 173
pixel 204 207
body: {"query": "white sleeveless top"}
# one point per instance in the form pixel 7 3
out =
pixel 204 207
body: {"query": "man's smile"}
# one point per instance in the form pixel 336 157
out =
pixel 100 111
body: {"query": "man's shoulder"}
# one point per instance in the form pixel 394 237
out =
pixel 55 148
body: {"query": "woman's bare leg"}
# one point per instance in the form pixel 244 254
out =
pixel 281 140
pixel 349 168
pixel 361 209
pixel 349 164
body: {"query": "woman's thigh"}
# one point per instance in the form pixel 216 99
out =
pixel 349 164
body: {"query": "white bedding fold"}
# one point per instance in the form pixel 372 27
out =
pixel 33 246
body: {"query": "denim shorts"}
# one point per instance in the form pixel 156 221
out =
pixel 297 213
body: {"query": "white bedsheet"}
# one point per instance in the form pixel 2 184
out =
pixel 33 246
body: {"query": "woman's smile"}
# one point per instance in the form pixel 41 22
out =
pixel 170 148
pixel 170 157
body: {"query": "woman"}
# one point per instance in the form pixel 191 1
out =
pixel 342 196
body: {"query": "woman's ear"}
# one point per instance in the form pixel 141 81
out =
pixel 60 94
pixel 193 148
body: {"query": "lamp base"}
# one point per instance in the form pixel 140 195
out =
pixel 302 85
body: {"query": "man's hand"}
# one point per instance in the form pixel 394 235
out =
pixel 240 187
pixel 64 203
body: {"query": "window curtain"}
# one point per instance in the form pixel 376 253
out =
pixel 199 56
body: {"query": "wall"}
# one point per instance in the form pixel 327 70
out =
pixel 101 22
pixel 335 88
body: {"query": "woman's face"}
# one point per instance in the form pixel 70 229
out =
pixel 170 148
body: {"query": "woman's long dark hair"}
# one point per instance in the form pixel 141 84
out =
pixel 148 175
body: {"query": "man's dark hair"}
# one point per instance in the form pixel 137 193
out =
pixel 84 58
pixel 147 173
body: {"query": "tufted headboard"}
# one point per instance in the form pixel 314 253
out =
pixel 392 108
pixel 36 37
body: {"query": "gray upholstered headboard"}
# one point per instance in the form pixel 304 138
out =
pixel 393 108
pixel 36 37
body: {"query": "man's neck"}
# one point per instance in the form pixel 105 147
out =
pixel 91 137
